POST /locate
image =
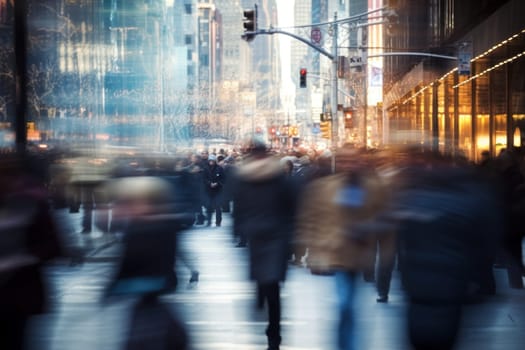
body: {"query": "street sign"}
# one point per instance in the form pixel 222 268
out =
pixel 316 36
pixel 355 61
pixel 464 57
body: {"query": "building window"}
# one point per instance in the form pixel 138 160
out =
pixel 187 9
pixel 449 18
pixel 189 55
pixel 204 60
pixel 188 39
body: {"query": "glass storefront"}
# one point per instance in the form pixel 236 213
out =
pixel 469 114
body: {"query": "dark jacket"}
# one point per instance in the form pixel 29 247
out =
pixel 146 209
pixel 28 239
pixel 214 175
pixel 450 217
pixel 264 210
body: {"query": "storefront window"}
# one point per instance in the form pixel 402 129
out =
pixel 465 118
pixel 465 134
pixel 483 136
pixel 500 137
pixel 442 124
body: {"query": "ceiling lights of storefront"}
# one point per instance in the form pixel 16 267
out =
pixel 508 60
pixel 497 46
pixel 487 70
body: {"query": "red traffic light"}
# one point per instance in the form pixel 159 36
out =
pixel 302 77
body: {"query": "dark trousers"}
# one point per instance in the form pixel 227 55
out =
pixel 433 326
pixel 12 330
pixel 92 199
pixel 214 205
pixel 386 259
pixel 270 293
pixel 154 326
pixel 514 259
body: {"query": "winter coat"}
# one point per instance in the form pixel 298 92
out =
pixel 214 175
pixel 29 239
pixel 264 209
pixel 338 234
pixel 449 220
pixel 146 210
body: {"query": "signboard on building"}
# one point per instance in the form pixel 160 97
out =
pixel 464 57
pixel 355 61
pixel 316 36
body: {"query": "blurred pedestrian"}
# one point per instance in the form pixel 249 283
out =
pixel 196 168
pixel 213 183
pixel 512 184
pixel 146 211
pixel 448 217
pixel 264 208
pixel 28 240
pixel 229 167
pixel 338 227
pixel 88 176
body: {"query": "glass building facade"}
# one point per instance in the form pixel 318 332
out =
pixel 469 104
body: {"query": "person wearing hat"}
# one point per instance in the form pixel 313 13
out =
pixel 213 183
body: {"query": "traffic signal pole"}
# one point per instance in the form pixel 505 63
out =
pixel 333 56
pixel 335 116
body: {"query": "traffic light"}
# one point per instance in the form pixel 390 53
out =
pixel 249 23
pixel 349 118
pixel 326 130
pixel 302 77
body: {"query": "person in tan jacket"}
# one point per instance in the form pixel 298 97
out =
pixel 338 222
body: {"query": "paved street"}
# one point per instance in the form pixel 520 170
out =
pixel 219 311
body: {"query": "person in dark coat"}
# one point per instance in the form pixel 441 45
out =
pixel 147 210
pixel 214 185
pixel 29 238
pixel 268 224
pixel 446 238
pixel 196 168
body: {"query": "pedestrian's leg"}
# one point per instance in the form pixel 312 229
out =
pixel 209 211
pixel 87 207
pixel 260 297
pixel 190 262
pixel 101 215
pixel 345 293
pixel 514 260
pixel 12 330
pixel 273 332
pixel 385 265
pixel 200 214
pixel 218 213
pixel 369 272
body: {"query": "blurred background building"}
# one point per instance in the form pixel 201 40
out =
pixel 167 74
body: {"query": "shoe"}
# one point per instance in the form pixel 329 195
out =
pixel 208 224
pixel 85 231
pixel 218 224
pixel 273 341
pixel 194 277
pixel 382 299
pixel 240 245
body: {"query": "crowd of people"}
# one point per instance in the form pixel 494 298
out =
pixel 442 221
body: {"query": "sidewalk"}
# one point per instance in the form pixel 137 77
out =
pixel 217 310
